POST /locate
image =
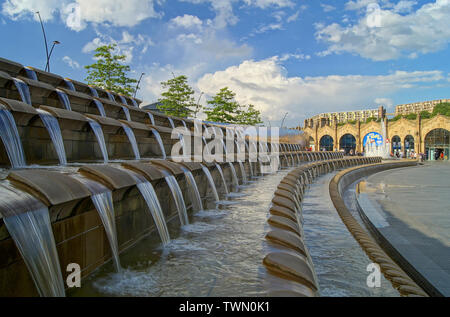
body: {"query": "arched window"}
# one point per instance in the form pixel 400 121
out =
pixel 326 143
pixel 347 143
pixel 409 145
pixel 437 144
pixel 311 143
pixel 396 145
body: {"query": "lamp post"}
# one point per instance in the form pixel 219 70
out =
pixel 197 105
pixel 45 38
pixel 282 122
pixel 47 68
pixel 137 85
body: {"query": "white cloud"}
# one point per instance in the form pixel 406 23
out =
pixel 69 61
pixel 383 34
pixel 266 84
pixel 77 13
pixel 268 3
pixel 186 21
pixel 327 7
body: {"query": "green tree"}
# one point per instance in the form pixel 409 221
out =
pixel 222 107
pixel 442 108
pixel 248 115
pixel 425 114
pixel 398 117
pixel 109 72
pixel 411 116
pixel 178 99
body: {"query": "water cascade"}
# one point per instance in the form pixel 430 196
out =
pixel 94 92
pixel 177 196
pixel 100 138
pixel 64 99
pixel 172 124
pixel 123 100
pixel 52 125
pixel 31 74
pixel 111 96
pixel 100 108
pixel 219 168
pixel 243 173
pixel 193 189
pixel 11 139
pixel 152 118
pixel 160 142
pixel 69 85
pixel 33 236
pixel 23 89
pixel 127 113
pixel 235 178
pixel 132 139
pixel 211 182
pixel 134 103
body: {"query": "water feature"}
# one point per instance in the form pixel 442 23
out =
pixel 100 108
pixel 52 126
pixel 160 142
pixel 152 118
pixel 134 103
pixel 33 236
pixel 211 182
pixel 132 138
pixel 11 139
pixel 177 197
pixel 127 113
pixel 69 85
pixel 103 202
pixel 243 173
pixel 94 92
pixel 100 138
pixel 219 168
pixel 123 100
pixel 193 189
pixel 64 99
pixel 31 74
pixel 23 89
pixel 172 124
pixel 110 96
pixel 235 178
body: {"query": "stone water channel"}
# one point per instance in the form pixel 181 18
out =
pixel 218 254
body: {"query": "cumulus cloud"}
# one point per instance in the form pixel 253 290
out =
pixel 383 34
pixel 72 63
pixel 77 13
pixel 267 85
pixel 186 21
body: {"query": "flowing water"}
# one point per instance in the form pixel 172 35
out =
pixel 193 189
pixel 123 100
pixel 160 142
pixel 219 254
pixel 243 173
pixel 11 139
pixel 132 139
pixel 134 103
pixel 219 168
pixel 152 118
pixel 52 126
pixel 69 85
pixel 100 138
pixel 127 113
pixel 100 108
pixel 177 197
pixel 64 99
pixel 211 182
pixel 31 74
pixel 172 124
pixel 94 92
pixel 111 96
pixel 33 236
pixel 235 178
pixel 23 89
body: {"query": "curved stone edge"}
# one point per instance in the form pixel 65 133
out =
pixel 289 263
pixel 390 269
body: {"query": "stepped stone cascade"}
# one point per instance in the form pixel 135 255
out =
pixel 97 171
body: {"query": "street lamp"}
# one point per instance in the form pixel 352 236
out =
pixel 47 68
pixel 45 38
pixel 137 85
pixel 197 106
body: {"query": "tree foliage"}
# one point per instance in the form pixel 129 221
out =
pixel 224 108
pixel 442 108
pixel 425 114
pixel 109 73
pixel 178 99
pixel 411 116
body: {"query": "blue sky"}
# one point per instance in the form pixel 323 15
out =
pixel 302 57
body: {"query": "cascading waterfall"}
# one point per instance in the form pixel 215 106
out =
pixel 195 194
pixel 235 178
pixel 23 89
pixel 94 92
pixel 177 196
pixel 243 173
pixel 52 126
pixel 100 138
pixel 172 124
pixel 160 142
pixel 211 182
pixel 152 118
pixel 219 168
pixel 69 85
pixel 148 193
pixel 11 139
pixel 33 236
pixel 31 74
pixel 64 99
pixel 103 202
pixel 111 96
pixel 134 103
pixel 100 108
pixel 132 139
pixel 127 113
pixel 123 100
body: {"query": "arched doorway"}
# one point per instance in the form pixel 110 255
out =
pixel 312 143
pixel 396 146
pixel 326 143
pixel 409 145
pixel 437 142
pixel 348 144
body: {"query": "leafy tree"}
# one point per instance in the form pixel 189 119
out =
pixel 442 108
pixel 411 116
pixel 109 72
pixel 398 117
pixel 222 107
pixel 178 99
pixel 248 115
pixel 425 114
pixel 370 119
